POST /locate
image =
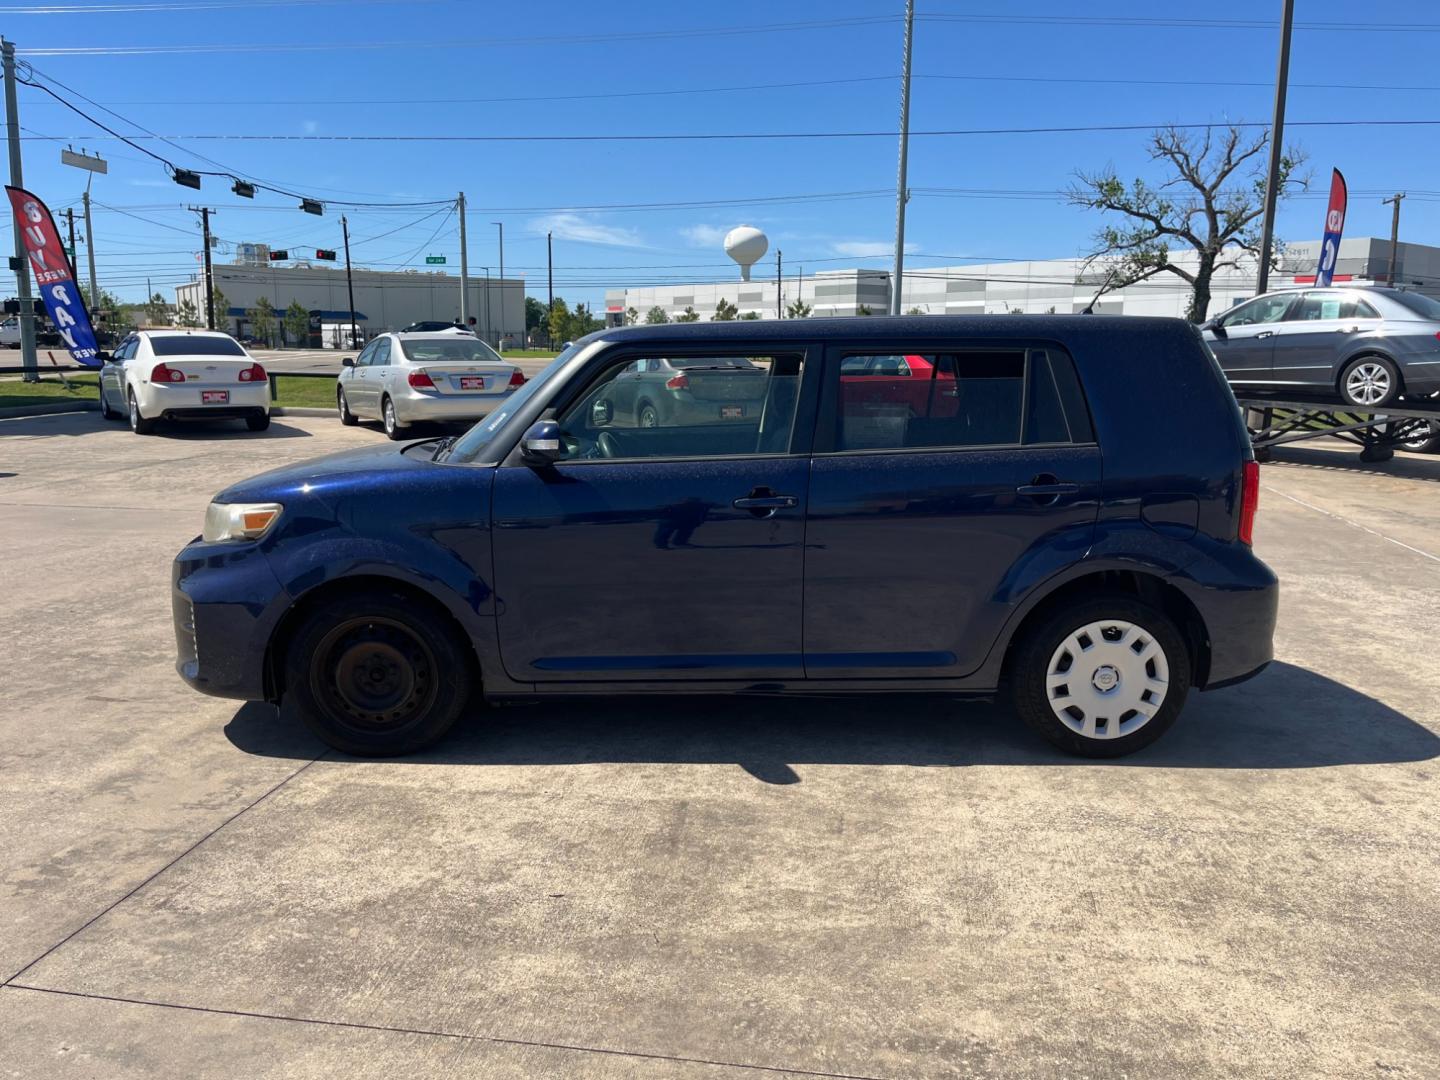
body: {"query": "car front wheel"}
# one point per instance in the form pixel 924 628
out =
pixel 1371 381
pixel 346 416
pixel 374 674
pixel 1102 678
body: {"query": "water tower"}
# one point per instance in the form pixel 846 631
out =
pixel 746 245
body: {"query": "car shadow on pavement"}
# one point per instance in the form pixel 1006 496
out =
pixel 1402 466
pixel 224 430
pixel 1286 718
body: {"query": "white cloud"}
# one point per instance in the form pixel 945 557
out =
pixel 568 226
pixel 869 249
pixel 704 236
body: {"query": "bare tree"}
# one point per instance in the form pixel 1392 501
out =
pixel 1213 204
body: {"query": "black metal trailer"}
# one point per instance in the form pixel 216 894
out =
pixel 1275 421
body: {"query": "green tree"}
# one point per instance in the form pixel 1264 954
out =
pixel 297 323
pixel 724 311
pixel 262 319
pixel 584 322
pixel 1210 201
pixel 914 311
pixel 222 308
pixel 108 314
pixel 798 309
pixel 631 316
pixel 534 315
pixel 157 311
pixel 750 315
pixel 864 309
pixel 559 319
pixel 688 315
pixel 656 316
pixel 186 315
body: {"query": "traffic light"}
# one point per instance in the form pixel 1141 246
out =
pixel 186 178
pixel 278 256
pixel 244 190
pixel 325 253
pixel 310 206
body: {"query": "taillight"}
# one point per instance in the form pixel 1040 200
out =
pixel 166 373
pixel 1249 501
pixel 421 380
pixel 253 373
pixel 517 378
pixel 677 382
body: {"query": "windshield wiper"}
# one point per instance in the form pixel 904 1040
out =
pixel 444 446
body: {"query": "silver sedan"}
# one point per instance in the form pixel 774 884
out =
pixel 1368 345
pixel 401 379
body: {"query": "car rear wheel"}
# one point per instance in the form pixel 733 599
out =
pixel 1370 381
pixel 1428 443
pixel 138 424
pixel 375 675
pixel 393 429
pixel 647 416
pixel 347 418
pixel 258 423
pixel 1102 678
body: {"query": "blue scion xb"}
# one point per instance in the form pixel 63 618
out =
pixel 1060 506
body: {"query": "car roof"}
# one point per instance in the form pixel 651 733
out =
pixel 430 335
pixel 889 327
pixel 183 332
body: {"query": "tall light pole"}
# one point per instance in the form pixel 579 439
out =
pixel 1394 234
pixel 1277 139
pixel 464 266
pixel 17 179
pixel 205 212
pixel 501 333
pixel 549 287
pixel 901 195
pixel 349 282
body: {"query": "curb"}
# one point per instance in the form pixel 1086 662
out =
pixel 49 410
pixel 299 410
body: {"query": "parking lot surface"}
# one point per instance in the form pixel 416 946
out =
pixel 888 887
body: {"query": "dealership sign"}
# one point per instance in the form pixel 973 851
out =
pixel 1334 226
pixel 63 301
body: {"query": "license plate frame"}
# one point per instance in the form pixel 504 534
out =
pixel 472 382
pixel 214 397
pixel 732 412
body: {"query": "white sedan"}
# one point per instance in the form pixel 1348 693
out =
pixel 400 379
pixel 159 375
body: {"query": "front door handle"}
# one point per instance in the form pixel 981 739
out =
pixel 762 502
pixel 1265 333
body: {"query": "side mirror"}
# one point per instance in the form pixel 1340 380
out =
pixel 348 361
pixel 541 445
pixel 104 357
pixel 1214 327
pixel 602 412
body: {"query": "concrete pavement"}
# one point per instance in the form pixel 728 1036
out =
pixel 300 361
pixel 883 888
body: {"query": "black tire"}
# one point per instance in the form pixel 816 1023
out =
pixel 1424 444
pixel 348 418
pixel 647 416
pixel 1348 392
pixel 393 431
pixel 138 424
pixel 258 423
pixel 1030 668
pixel 376 675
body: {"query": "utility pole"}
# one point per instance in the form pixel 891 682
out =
pixel 549 288
pixel 349 283
pixel 500 334
pixel 485 316
pixel 90 247
pixel 464 267
pixel 901 195
pixel 70 225
pixel 17 179
pixel 204 212
pixel 1277 139
pixel 779 287
pixel 1394 233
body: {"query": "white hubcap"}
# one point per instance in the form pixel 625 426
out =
pixel 1107 679
pixel 1368 384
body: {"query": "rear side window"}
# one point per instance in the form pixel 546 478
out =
pixel 1330 305
pixel 966 398
pixel 194 345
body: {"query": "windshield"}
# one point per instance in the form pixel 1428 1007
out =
pixel 469 446
pixel 449 350
pixel 195 345
pixel 1426 307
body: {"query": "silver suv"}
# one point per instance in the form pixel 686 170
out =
pixel 1370 345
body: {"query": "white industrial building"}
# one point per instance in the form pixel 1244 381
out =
pixel 1055 285
pixel 384 300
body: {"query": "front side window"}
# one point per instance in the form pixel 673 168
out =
pixel 971 398
pixel 1263 309
pixel 690 406
pixel 194 345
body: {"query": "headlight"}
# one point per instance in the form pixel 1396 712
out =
pixel 239 521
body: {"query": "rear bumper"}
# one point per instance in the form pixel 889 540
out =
pixel 183 401
pixel 1237 597
pixel 412 406
pixel 225 603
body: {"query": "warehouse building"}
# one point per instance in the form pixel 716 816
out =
pixel 1051 286
pixel 384 300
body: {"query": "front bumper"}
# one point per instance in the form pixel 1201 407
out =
pixel 225 603
pixel 415 406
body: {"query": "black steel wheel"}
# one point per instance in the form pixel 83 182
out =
pixel 375 674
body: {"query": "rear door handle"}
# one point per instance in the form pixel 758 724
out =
pixel 766 502
pixel 1047 489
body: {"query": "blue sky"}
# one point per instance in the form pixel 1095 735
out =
pixel 422 67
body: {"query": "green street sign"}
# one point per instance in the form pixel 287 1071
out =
pixel 435 260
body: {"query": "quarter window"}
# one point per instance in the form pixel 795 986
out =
pixel 691 406
pixel 1000 397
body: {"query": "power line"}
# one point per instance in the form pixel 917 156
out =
pixel 185 5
